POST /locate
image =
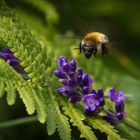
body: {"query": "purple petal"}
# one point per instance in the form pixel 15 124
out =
pixel 65 67
pixel 88 97
pixel 72 65
pixel 119 107
pixel 71 74
pixel 112 95
pixel 64 82
pixel 101 102
pixel 1 55
pixel 86 107
pixel 119 93
pixel 90 81
pixel 79 79
pixel 85 79
pixel 92 107
pixel 62 90
pixel 93 92
pixel 120 96
pixel 80 71
pixel 61 61
pixel 74 99
pixel 60 74
pixel 85 90
pixel 13 62
pixel 120 115
pixel 65 90
pixel 96 102
pixel 111 120
pixel 6 50
pixel 71 82
pixel 100 93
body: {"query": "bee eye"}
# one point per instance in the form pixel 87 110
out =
pixel 106 38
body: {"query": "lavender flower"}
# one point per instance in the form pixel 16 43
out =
pixel 70 78
pixel 90 103
pixel 118 98
pixel 78 87
pixel 76 84
pixel 8 56
pixel 94 101
pixel 111 117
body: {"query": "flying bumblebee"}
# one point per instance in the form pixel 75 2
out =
pixel 93 43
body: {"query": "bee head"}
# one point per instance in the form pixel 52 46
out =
pixel 88 49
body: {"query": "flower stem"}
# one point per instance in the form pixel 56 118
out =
pixel 126 122
pixel 16 122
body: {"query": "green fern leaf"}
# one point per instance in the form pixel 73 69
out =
pixel 2 87
pixel 103 126
pixel 23 43
pixel 50 121
pixel 27 97
pixel 8 81
pixel 11 92
pixel 61 120
pixel 76 117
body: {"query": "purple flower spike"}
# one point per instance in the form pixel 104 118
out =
pixel 8 56
pixel 116 97
pixel 72 65
pixel 90 102
pixel 68 76
pixel 78 86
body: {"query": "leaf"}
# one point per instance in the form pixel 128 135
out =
pixel 76 117
pixel 103 126
pixel 61 120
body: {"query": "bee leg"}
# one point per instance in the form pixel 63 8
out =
pixel 104 50
pixel 94 51
pixel 80 47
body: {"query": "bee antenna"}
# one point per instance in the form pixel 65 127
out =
pixel 75 48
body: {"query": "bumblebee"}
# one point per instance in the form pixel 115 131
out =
pixel 92 43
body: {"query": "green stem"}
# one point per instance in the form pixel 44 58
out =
pixel 126 122
pixel 19 121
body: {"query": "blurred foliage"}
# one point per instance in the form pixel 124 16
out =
pixel 58 23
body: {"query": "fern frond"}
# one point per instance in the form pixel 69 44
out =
pixel 103 126
pixel 25 47
pixel 27 97
pixel 30 96
pixel 76 117
pixel 61 120
pixel 8 80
